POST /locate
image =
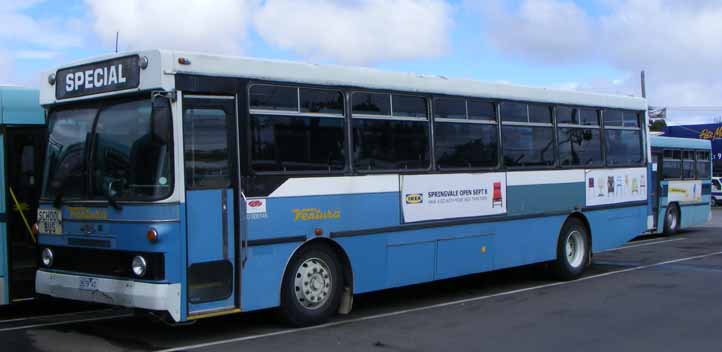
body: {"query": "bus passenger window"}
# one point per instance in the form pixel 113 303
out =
pixel 672 165
pixel 371 104
pixel 688 165
pixel 703 165
pixel 465 141
pixel 450 108
pixel 613 118
pixel 310 138
pixel 567 115
pixel 527 135
pixel 623 139
pixel 409 106
pixel 321 101
pixel 267 97
pixel 528 146
pixel 205 139
pixel 580 147
pixel 481 110
pixel 589 117
pixel 399 142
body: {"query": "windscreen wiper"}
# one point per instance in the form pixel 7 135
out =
pixel 113 203
pixel 58 201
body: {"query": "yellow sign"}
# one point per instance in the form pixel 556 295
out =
pixel 308 214
pixel 708 134
pixel 414 198
pixel 81 213
pixel 678 190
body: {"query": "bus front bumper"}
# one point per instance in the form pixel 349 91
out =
pixel 126 293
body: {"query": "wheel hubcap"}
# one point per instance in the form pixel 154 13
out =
pixel 575 249
pixel 312 283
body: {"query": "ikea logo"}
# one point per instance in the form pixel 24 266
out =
pixel 414 198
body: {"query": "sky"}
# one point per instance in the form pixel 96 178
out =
pixel 590 45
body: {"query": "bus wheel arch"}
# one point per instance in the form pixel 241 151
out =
pixel 324 256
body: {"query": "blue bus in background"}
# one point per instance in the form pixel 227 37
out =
pixel 682 183
pixel 22 135
pixel 193 186
pixel 711 132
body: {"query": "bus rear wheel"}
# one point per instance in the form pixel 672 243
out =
pixel 311 290
pixel 573 251
pixel 671 220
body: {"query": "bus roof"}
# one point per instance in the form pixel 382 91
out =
pixel 20 106
pixel 166 63
pixel 675 142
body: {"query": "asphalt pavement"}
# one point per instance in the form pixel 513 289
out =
pixel 657 293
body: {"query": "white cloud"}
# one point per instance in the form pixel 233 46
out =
pixel 219 26
pixel 356 32
pixel 676 42
pixel 548 30
pixel 18 27
pixel 36 54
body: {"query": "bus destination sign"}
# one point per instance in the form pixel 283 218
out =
pixel 98 77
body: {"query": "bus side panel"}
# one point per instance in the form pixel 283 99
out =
pixel 535 199
pixel 522 242
pixel 613 227
pixel 263 274
pixel 694 215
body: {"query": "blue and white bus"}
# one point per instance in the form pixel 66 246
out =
pixel 197 185
pixel 22 135
pixel 682 185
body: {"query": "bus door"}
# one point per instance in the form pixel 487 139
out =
pixel 23 168
pixel 212 192
pixel 655 185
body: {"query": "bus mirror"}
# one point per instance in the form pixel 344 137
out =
pixel 161 119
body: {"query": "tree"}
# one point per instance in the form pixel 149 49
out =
pixel 657 125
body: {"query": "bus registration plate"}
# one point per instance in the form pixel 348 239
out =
pixel 50 221
pixel 88 284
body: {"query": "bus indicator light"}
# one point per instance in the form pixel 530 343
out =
pixel 318 231
pixel 152 235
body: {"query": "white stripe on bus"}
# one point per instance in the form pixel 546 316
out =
pixel 434 306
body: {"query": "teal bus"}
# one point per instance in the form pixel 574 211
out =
pixel 681 189
pixel 22 134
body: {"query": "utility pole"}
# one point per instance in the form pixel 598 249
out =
pixel 644 85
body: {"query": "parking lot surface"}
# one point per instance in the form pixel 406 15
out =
pixel 656 293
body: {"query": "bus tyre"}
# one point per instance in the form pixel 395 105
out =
pixel 312 284
pixel 671 220
pixel 573 251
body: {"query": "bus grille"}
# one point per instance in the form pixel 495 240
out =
pixel 106 262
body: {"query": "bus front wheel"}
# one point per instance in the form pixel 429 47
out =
pixel 671 220
pixel 311 291
pixel 573 250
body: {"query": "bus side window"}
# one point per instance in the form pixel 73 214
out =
pixel 672 167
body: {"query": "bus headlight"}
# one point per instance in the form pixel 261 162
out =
pixel 47 257
pixel 139 266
